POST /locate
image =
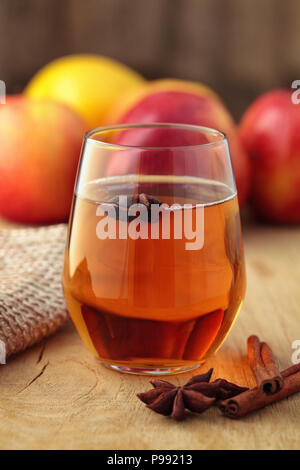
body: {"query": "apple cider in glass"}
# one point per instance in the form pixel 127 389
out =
pixel 147 297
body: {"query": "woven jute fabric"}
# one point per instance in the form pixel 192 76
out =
pixel 32 305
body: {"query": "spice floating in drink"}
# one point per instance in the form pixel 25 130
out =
pixel 152 302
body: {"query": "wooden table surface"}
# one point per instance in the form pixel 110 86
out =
pixel 56 396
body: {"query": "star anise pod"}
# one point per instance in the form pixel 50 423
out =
pixel 138 198
pixel 196 395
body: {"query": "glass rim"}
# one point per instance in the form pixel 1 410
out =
pixel 193 127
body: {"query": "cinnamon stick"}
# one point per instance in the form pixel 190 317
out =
pixel 291 370
pixel 256 398
pixel 261 360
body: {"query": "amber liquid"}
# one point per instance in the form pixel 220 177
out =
pixel 151 303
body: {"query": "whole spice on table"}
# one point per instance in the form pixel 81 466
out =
pixel 196 395
pixel 263 365
pixel 256 398
pixel 234 401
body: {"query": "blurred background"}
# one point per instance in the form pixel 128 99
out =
pixel 239 48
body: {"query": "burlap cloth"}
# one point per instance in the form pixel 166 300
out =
pixel 32 305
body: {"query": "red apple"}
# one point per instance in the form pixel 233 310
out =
pixel 270 132
pixel 39 151
pixel 176 101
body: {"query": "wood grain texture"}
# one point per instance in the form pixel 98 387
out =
pixel 56 396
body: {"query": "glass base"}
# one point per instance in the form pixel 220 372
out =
pixel 148 370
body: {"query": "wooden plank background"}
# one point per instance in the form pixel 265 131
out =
pixel 240 48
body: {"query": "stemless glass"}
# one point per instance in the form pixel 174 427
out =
pixel 154 268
